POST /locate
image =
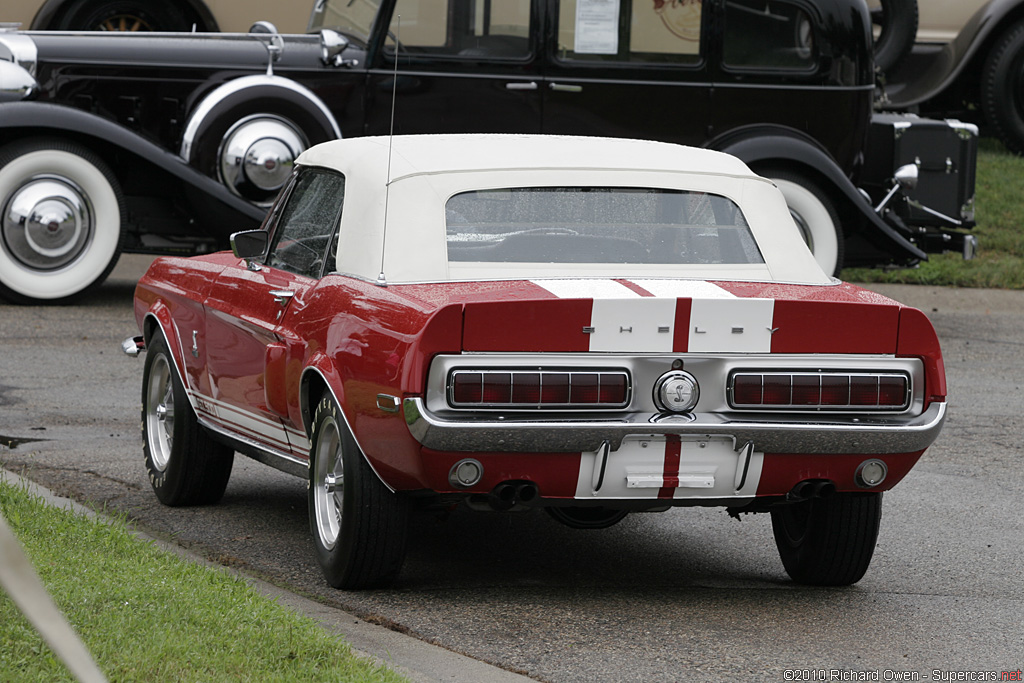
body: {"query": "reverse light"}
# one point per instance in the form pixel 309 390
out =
pixel 538 389
pixel 870 473
pixel 819 390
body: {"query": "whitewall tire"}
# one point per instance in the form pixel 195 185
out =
pixel 61 213
pixel 815 217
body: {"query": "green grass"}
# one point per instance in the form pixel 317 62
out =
pixel 999 211
pixel 147 615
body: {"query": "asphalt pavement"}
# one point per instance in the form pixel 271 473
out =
pixel 685 594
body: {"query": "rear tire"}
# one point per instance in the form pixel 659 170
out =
pixel 122 15
pixel 828 541
pixel 359 527
pixel 185 466
pixel 1002 88
pixel 815 217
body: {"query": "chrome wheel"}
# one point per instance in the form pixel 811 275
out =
pixel 159 414
pixel 328 483
pixel 257 156
pixel 60 220
pixel 47 223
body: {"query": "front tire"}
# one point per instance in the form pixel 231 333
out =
pixel 185 466
pixel 828 541
pixel 1002 88
pixel 815 216
pixel 359 527
pixel 61 220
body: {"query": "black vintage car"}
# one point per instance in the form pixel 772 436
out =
pixel 170 142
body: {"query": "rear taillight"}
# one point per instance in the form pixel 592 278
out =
pixel 820 390
pixel 538 389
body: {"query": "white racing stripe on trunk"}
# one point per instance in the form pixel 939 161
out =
pixel 684 289
pixel 644 324
pixel 587 289
pixel 731 326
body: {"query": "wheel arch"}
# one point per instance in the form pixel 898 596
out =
pixel 158 319
pixel 320 377
pixel 239 90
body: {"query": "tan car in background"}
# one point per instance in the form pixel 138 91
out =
pixel 149 15
pixel 966 62
pixel 939 21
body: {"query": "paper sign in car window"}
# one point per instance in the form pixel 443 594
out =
pixel 597 27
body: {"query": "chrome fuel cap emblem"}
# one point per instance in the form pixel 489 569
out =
pixel 676 392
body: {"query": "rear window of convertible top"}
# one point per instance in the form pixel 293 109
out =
pixel 605 225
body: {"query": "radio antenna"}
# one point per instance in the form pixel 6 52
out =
pixel 381 280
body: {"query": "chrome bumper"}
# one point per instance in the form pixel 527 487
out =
pixel 802 434
pixel 133 346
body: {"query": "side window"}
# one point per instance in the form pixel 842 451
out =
pixel 768 34
pixel 641 31
pixel 472 29
pixel 308 222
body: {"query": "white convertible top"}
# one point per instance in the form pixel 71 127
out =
pixel 426 170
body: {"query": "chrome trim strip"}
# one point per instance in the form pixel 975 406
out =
pixel 231 87
pixel 801 434
pixel 284 462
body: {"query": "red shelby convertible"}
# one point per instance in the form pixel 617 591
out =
pixel 586 325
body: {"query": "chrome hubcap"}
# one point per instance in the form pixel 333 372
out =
pixel 160 413
pixel 47 223
pixel 258 154
pixel 329 484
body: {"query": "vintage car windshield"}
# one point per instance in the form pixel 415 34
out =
pixel 602 225
pixel 351 17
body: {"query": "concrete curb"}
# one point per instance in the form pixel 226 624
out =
pixel 418 660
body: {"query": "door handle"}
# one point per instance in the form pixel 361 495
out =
pixel 562 87
pixel 282 296
pixel 519 85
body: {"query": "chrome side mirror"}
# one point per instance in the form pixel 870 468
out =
pixel 271 39
pixel 250 245
pixel 332 44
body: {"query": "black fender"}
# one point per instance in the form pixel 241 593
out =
pixel 763 146
pixel 106 137
pixel 50 10
pixel 965 54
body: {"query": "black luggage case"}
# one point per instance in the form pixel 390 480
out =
pixel 945 153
